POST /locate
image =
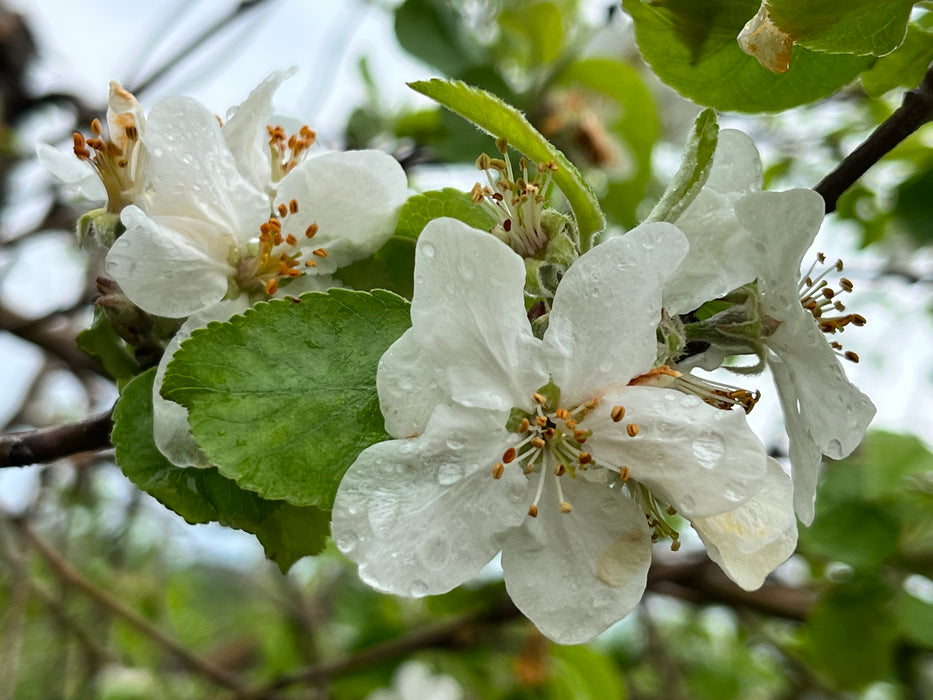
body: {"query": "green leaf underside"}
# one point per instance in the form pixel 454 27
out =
pixel 434 204
pixel 693 172
pixel 283 398
pixel 287 532
pixel 101 342
pixel 501 120
pixel 691 45
pixel 905 66
pixel 861 27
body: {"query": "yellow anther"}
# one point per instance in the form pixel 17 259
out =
pixel 571 424
pixel 632 429
pixel 283 210
pixel 675 545
pixel 483 163
pixel 96 127
pixel 671 510
pixel 565 508
pixel 310 263
pixel 293 206
pixel 560 469
pixel 585 458
pixel 538 398
pixel 319 252
pixel 541 420
pixel 851 356
pixel 311 230
pixel 523 426
pixel 623 473
pixel 846 284
pixel 498 469
pixel 533 510
pixel 509 455
pixel 530 468
pixel 617 413
pixel 538 442
pixel 272 286
pixel 290 239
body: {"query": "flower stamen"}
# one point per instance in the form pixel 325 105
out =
pixel 817 297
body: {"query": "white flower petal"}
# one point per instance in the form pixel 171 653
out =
pixel 750 541
pixel 352 196
pixel 736 165
pixel 194 175
pixel 782 227
pixel 408 393
pixel 165 272
pixel 575 574
pixel 602 326
pixel 469 318
pixel 835 412
pixel 245 131
pixel 170 428
pixel 421 516
pixel 77 174
pixel 699 459
pixel 721 258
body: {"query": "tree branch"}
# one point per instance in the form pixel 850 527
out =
pixel 71 577
pixel 915 111
pixel 49 444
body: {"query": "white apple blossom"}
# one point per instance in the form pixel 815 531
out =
pixel 413 680
pixel 738 234
pixel 207 244
pixel 562 452
pixel 107 168
pixel 208 231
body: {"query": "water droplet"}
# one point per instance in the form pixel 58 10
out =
pixel 708 450
pixel 427 250
pixel 449 473
pixel 455 443
pixel 353 509
pixel 516 493
pixel 607 504
pixel 687 502
pixel 690 401
pixel 668 396
pixel 834 449
pixel 346 543
pixel 606 365
pixel 648 243
pixel 733 492
pixel 158 152
pixel 418 589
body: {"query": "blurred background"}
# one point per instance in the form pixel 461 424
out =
pixel 105 593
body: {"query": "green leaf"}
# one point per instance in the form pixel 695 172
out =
pixel 860 534
pixel 431 31
pixel 102 343
pixel 693 172
pixel 501 120
pixel 422 208
pixel 691 45
pixel 905 66
pixel 915 618
pixel 850 634
pixel 582 673
pixel 861 27
pixel 392 268
pixel 539 28
pixel 283 398
pixel 286 532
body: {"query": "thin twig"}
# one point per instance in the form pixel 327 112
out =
pixel 48 444
pixel 69 575
pixel 915 111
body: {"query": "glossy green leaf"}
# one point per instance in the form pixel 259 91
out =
pixel 915 618
pixel 287 532
pixel 421 208
pixel 691 45
pixel 539 28
pixel 283 398
pixel 392 267
pixel 860 27
pixel 693 172
pixel 582 673
pixel 501 120
pixel 429 30
pixel 860 534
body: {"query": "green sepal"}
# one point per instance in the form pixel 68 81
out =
pixel 516 416
pixel 693 172
pixel 504 121
pixel 286 532
pixel 101 225
pixel 551 394
pixel 283 398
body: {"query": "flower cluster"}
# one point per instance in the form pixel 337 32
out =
pixel 543 402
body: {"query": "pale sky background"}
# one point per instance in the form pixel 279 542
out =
pixel 86 44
